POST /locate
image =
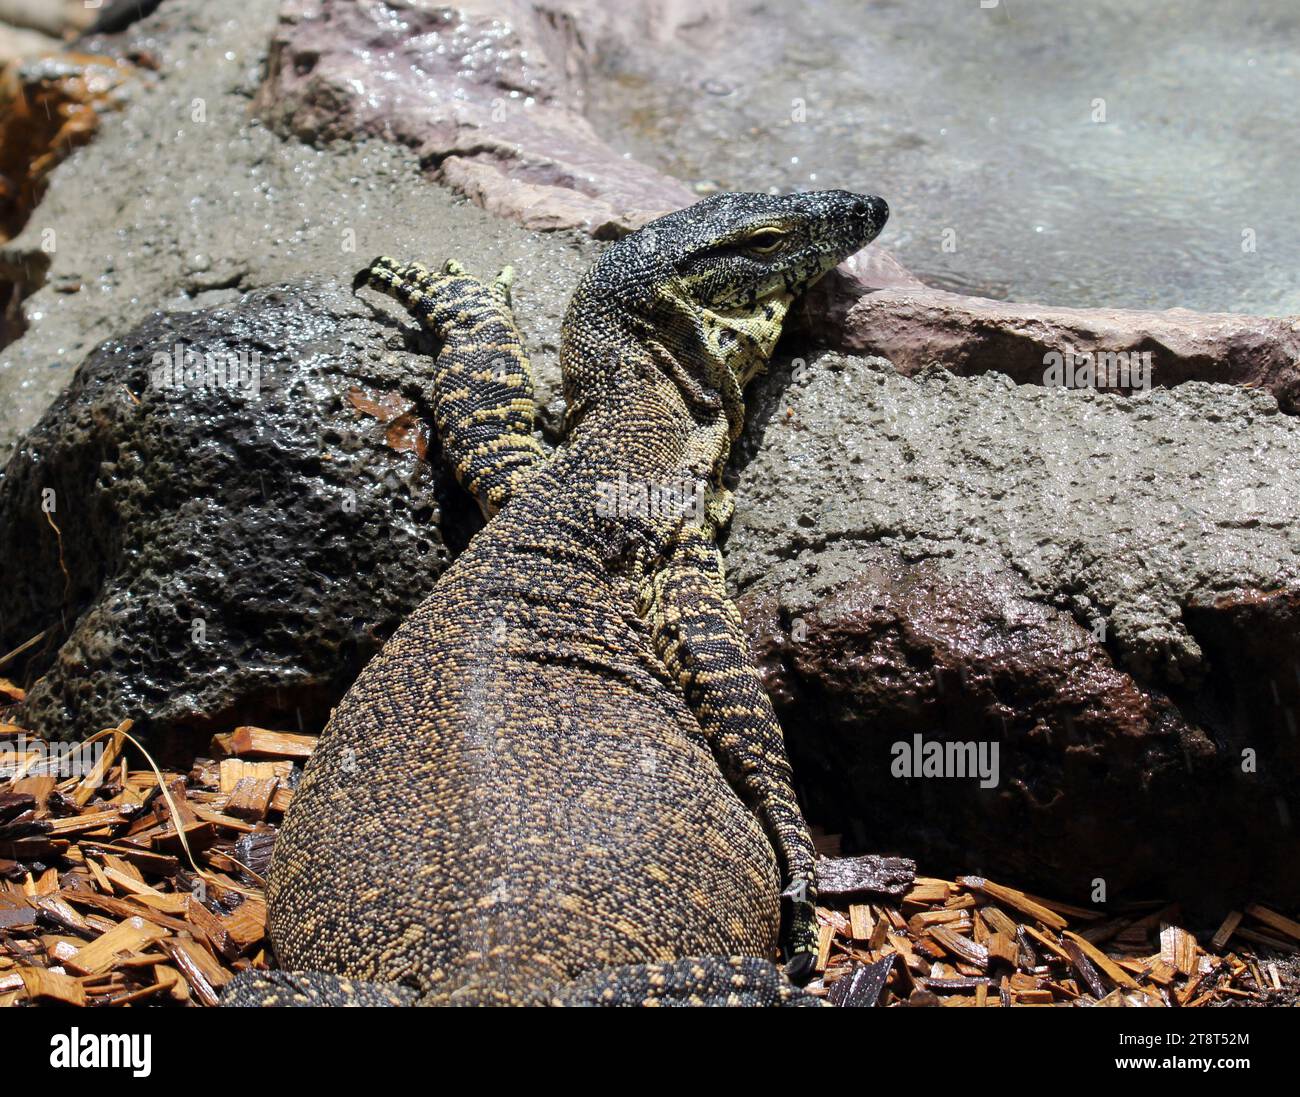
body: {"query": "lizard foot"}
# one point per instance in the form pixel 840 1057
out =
pixel 800 929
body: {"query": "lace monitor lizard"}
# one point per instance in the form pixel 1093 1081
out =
pixel 561 781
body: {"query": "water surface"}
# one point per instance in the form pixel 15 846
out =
pixel 1073 152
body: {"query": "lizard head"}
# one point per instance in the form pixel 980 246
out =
pixel 711 284
pixel 741 259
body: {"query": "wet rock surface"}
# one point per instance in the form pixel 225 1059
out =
pixel 488 95
pixel 200 213
pixel 222 519
pixel 185 200
pixel 914 326
pixel 1102 155
pixel 1103 587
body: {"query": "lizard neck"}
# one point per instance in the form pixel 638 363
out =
pixel 646 441
pixel 646 415
pixel 648 400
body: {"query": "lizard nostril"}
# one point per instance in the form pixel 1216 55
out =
pixel 874 208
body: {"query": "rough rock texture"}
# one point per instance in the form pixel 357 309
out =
pixel 222 547
pixel 487 94
pixel 198 212
pixel 1105 587
pixel 914 326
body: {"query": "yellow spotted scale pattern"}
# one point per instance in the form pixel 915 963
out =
pixel 561 782
pixel 482 403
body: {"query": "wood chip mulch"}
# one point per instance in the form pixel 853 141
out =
pixel 974 942
pixel 101 906
pixel 99 902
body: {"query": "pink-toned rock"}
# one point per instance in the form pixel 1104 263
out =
pixel 913 326
pixel 488 93
pixel 16 42
pixel 825 311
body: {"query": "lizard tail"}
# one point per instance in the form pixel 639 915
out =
pixel 695 981
pixel 312 988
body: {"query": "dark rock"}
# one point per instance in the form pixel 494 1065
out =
pixel 1253 636
pixel 861 987
pixel 1105 589
pixel 845 877
pixel 232 550
pixel 1097 778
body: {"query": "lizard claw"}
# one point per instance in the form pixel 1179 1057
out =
pixel 800 967
pixel 501 284
pixel 364 276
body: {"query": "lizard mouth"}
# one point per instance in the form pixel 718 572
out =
pixel 744 337
pixel 855 222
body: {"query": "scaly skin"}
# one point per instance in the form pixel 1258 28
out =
pixel 561 781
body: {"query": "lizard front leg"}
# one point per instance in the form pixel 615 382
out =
pixel 482 398
pixel 698 635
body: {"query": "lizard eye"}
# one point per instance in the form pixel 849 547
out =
pixel 765 241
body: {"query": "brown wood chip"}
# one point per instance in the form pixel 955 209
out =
pixel 132 935
pixel 253 742
pixel 1017 900
pixel 962 947
pixel 863 984
pixel 1109 968
pixel 46 985
pixel 1271 918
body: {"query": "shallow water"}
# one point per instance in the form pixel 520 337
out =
pixel 1098 153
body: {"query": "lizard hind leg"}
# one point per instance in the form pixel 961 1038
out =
pixel 482 399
